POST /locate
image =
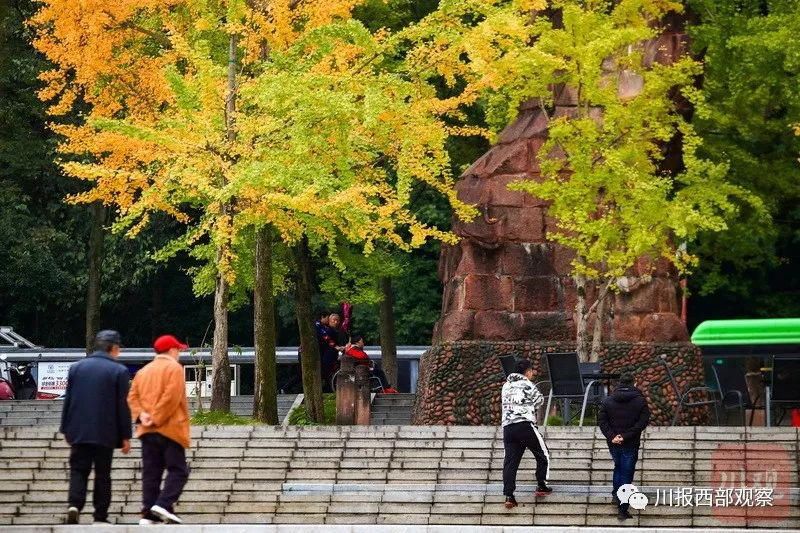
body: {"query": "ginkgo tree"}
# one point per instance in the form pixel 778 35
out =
pixel 283 117
pixel 610 197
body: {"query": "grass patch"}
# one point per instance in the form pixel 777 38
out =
pixel 299 415
pixel 219 418
pixel 556 420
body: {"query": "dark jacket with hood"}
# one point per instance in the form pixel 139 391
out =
pixel 624 413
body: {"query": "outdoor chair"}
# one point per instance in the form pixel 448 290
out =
pixel 567 383
pixel 684 397
pixel 376 385
pixel 734 393
pixel 599 390
pixel 785 389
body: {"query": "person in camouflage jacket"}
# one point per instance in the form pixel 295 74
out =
pixel 520 400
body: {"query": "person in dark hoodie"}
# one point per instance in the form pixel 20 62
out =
pixel 622 418
pixel 521 398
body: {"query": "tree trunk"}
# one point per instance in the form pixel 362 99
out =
pixel 95 273
pixel 220 364
pixel 581 322
pixel 157 304
pixel 265 400
pixel 387 332
pixel 597 336
pixel 309 347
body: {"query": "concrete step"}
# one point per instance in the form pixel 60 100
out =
pixel 48 412
pixel 392 409
pixel 396 475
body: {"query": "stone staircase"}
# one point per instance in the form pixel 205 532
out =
pixel 392 409
pixel 410 475
pixel 48 412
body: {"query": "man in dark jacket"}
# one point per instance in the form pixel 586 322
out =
pixel 329 355
pixel 622 418
pixel 95 419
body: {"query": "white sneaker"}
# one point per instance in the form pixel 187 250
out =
pixel 147 522
pixel 73 515
pixel 165 515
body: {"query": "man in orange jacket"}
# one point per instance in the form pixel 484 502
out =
pixel 158 405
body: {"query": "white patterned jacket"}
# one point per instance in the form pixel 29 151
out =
pixel 521 398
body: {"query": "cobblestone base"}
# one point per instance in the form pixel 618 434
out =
pixel 460 381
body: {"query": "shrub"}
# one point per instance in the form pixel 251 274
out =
pixel 299 415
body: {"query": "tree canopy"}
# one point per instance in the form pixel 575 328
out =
pixel 133 74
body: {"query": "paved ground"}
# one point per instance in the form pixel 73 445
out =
pixel 363 529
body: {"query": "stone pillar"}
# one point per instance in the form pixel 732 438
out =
pixel 363 398
pixel 346 393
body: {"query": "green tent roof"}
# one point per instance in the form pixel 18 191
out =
pixel 747 332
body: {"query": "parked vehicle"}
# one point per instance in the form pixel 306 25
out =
pixel 6 387
pixel 22 378
pixel 19 379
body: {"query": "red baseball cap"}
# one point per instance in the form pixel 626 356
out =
pixel 167 342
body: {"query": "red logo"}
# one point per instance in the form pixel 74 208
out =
pixel 751 483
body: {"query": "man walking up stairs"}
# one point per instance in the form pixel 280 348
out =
pixel 158 404
pixel 521 398
pixel 94 420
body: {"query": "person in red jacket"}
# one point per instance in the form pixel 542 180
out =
pixel 356 350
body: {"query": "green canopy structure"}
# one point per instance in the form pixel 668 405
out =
pixel 747 332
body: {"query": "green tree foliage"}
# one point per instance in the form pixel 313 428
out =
pixel 609 198
pixel 752 102
pixel 42 256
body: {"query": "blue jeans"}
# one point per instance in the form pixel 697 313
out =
pixel 624 465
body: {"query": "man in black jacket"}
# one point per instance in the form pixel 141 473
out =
pixel 622 418
pixel 95 419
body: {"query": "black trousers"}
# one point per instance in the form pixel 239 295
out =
pixel 516 439
pixel 158 454
pixel 81 459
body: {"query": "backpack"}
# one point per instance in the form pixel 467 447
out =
pixel 6 391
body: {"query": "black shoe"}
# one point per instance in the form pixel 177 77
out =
pixel 543 490
pixel 623 514
pixel 73 515
pixel 511 502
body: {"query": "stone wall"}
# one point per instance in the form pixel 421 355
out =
pixel 460 382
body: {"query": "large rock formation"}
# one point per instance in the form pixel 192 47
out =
pixel 505 281
pixel 507 289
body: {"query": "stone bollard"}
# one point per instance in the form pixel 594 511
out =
pixel 363 396
pixel 346 393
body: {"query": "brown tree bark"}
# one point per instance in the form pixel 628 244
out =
pixel 220 363
pixel 265 400
pixel 156 304
pixel 309 347
pixel 95 272
pixel 221 372
pixel 597 335
pixel 387 331
pixel 581 320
